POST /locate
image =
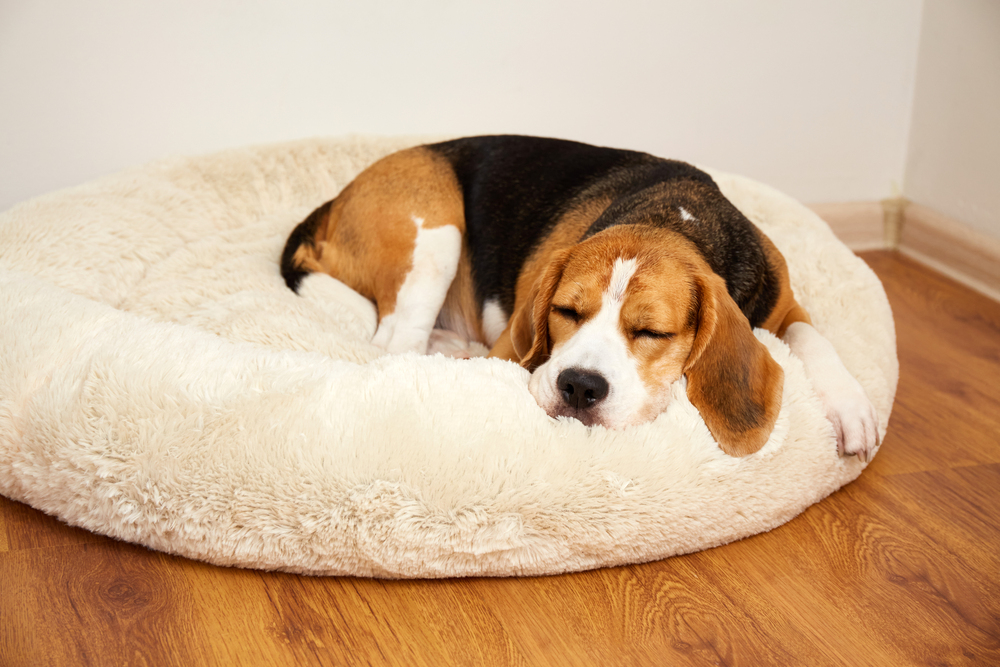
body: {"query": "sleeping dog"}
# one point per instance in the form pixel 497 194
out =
pixel 610 274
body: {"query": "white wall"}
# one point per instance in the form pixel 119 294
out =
pixel 813 98
pixel 953 163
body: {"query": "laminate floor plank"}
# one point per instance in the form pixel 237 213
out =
pixel 952 507
pixel 809 583
pixel 688 590
pixel 237 622
pixel 94 605
pixel 943 597
pixel 641 623
pixel 901 567
pixel 22 527
pixel 413 622
pixel 948 340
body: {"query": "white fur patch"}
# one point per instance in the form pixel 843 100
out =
pixel 621 275
pixel 685 214
pixel 419 300
pixel 494 321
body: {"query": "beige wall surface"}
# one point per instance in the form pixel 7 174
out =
pixel 811 97
pixel 953 161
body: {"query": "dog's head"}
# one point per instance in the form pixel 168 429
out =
pixel 615 320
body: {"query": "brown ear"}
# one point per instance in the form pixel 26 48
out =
pixel 731 377
pixel 529 325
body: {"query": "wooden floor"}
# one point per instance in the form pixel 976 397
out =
pixel 902 567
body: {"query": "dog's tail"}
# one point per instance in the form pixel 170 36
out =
pixel 293 269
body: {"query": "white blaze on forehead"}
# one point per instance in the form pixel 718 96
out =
pixel 621 275
pixel 685 215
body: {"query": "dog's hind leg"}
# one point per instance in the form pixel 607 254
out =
pixel 394 235
pixel 418 301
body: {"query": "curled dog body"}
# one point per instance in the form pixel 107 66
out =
pixel 609 274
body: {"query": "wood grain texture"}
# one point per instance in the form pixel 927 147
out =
pixel 901 567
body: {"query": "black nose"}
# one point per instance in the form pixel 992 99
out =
pixel 581 389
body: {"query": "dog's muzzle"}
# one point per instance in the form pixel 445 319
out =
pixel 581 390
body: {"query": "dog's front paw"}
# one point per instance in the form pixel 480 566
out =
pixel 853 416
pixel 854 419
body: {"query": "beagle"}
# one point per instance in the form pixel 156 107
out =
pixel 610 274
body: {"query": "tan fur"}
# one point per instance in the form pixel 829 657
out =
pixel 786 310
pixel 460 310
pixel 368 237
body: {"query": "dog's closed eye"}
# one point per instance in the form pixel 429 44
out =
pixel 567 312
pixel 652 335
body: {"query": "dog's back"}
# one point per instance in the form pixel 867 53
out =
pixel 517 190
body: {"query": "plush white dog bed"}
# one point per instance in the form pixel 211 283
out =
pixel 160 384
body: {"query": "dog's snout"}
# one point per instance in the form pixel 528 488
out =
pixel 581 389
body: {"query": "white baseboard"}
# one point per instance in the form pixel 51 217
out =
pixel 859 225
pixel 942 243
pixel 953 248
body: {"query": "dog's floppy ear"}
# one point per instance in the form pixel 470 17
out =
pixel 529 325
pixel 731 377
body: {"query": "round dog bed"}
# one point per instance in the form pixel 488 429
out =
pixel 161 385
